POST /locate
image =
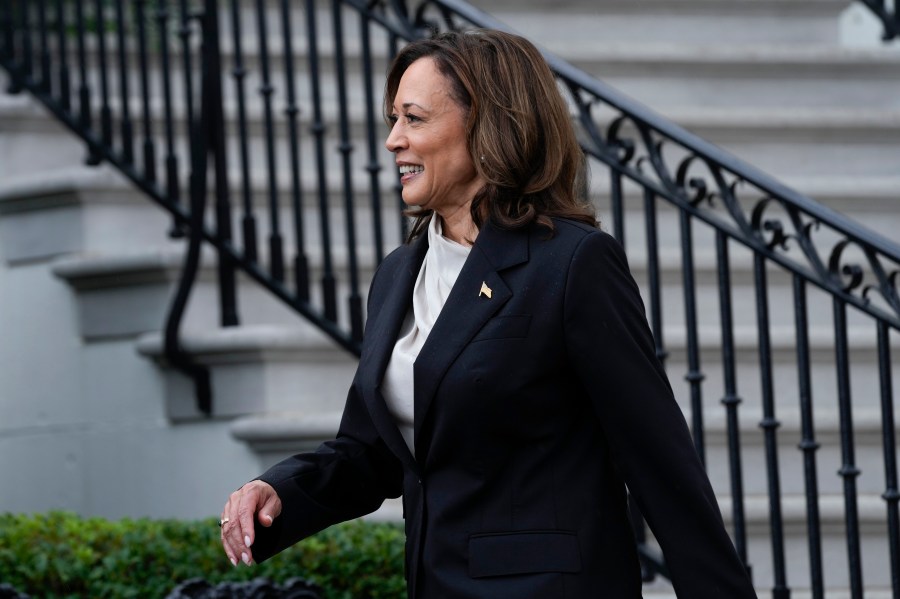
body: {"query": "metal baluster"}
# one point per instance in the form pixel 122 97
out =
pixel 615 190
pixel 105 111
pixel 7 48
pixel 62 69
pixel 149 150
pixel 84 88
pixel 85 112
pixel 892 493
pixel 185 33
pixel 301 262
pixel 848 470
pixel 769 424
pixel 27 62
pixel 373 167
pixel 731 400
pixel 346 149
pixel 227 267
pixel 654 279
pixel 126 124
pixel 46 83
pixel 808 444
pixel 173 190
pixel 694 375
pixel 239 73
pixel 276 251
pixel 318 130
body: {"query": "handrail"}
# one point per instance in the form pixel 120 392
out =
pixel 650 165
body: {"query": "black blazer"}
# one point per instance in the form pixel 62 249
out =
pixel 535 405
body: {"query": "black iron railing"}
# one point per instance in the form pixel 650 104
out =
pixel 270 109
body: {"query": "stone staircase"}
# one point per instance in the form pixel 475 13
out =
pixel 87 271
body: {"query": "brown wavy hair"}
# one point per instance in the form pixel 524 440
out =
pixel 518 128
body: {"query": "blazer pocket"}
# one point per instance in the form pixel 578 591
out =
pixel 505 327
pixel 501 554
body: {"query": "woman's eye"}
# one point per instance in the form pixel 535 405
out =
pixel 411 118
pixel 392 119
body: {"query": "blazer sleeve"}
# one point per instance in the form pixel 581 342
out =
pixel 612 350
pixel 345 478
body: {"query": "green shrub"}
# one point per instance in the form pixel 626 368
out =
pixel 59 554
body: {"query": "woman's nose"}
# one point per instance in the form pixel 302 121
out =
pixel 395 140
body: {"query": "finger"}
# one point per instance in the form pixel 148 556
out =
pixel 250 502
pixel 224 522
pixel 270 510
pixel 232 530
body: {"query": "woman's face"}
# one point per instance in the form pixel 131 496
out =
pixel 428 137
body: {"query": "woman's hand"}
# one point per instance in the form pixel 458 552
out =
pixel 238 534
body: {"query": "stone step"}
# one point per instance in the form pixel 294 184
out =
pixel 679 75
pixel 258 369
pixel 108 288
pixel 31 140
pixel 738 22
pixel 75 210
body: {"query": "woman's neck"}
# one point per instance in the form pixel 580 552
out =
pixel 457 225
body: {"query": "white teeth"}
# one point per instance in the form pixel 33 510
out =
pixel 411 168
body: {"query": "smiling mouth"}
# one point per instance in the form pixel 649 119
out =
pixel 410 169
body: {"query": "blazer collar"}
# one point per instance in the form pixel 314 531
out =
pixel 469 306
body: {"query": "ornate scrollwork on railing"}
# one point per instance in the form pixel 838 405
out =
pixel 770 231
pixel 410 21
pixel 844 265
pixel 802 237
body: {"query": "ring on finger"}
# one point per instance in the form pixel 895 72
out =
pixel 222 522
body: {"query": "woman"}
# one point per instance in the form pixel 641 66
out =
pixel 508 387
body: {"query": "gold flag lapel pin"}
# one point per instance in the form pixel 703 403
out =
pixel 485 290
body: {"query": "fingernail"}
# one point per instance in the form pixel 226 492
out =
pixel 233 561
pixel 268 517
pixel 245 558
pixel 247 540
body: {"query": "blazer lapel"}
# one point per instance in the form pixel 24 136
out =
pixel 479 292
pixel 381 336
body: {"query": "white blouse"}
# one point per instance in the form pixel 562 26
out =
pixel 443 262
